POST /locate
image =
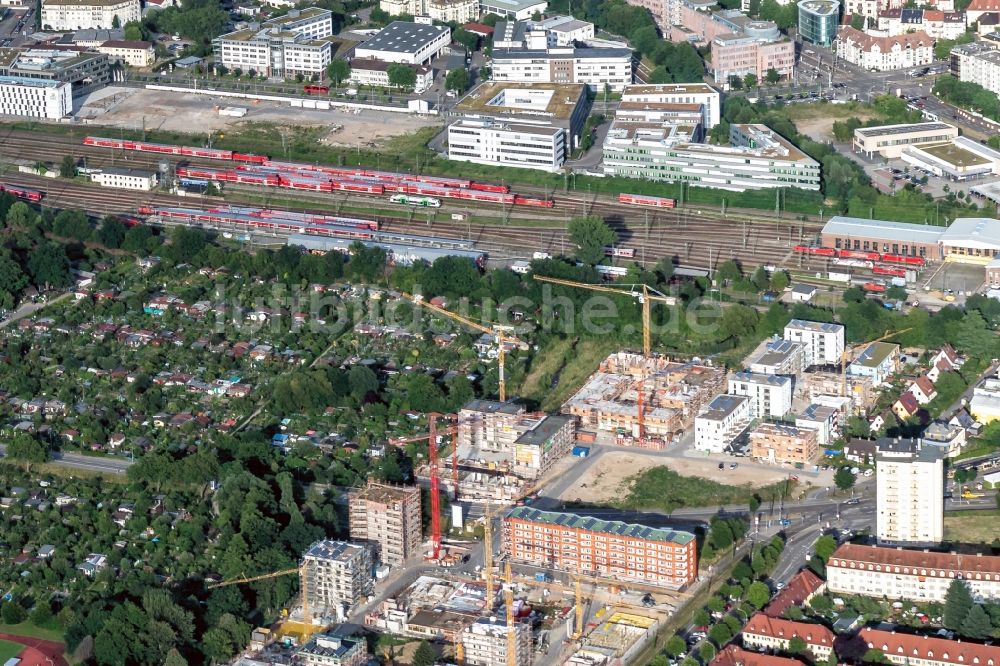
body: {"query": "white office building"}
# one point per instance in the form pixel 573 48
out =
pixel 770 395
pixel 565 30
pixel 517 10
pixel 67 15
pixel 126 179
pixel 35 98
pixel 407 43
pixel 296 43
pixel 700 94
pixel 909 495
pixel 824 343
pixel 722 424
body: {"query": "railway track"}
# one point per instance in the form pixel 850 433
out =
pixel 692 238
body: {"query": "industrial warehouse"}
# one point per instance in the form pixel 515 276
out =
pixel 968 239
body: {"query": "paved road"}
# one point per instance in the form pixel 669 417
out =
pixel 103 464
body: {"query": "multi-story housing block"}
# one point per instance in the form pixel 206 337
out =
pixel 824 342
pixel 722 424
pixel 770 395
pixel 337 576
pixel 389 518
pixel 909 493
pixel 781 444
pixel 485 643
pixel 765 633
pixel 67 15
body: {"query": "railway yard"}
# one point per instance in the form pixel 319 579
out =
pixel 695 238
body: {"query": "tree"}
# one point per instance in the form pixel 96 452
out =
pixel 675 646
pixel 591 235
pixel 758 594
pixel 67 169
pixel 49 266
pixel 401 76
pixel 706 652
pixel 701 618
pixel 873 656
pixel 424 655
pixel 750 81
pixel 111 233
pixel 457 80
pixel 957 604
pixel 12 613
pixel 843 478
pixel 754 503
pixel 977 624
pixel 133 31
pixel 469 40
pixel 772 76
pixel 720 634
pixel 338 71
pixel 26 448
pixel 116 23
pixel 796 645
pixel 19 215
pixel 728 271
pixel 362 381
pixel 825 546
pixel 779 281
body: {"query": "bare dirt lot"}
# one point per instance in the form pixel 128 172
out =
pixel 189 112
pixel 605 480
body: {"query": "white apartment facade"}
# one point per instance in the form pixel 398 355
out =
pixel 126 179
pixel 35 98
pixel 65 15
pixel 132 53
pixel 882 54
pixel 978 63
pixel 296 43
pixel 368 72
pixel 565 30
pixel 485 643
pixel 338 576
pixel 909 493
pixel 722 423
pixel 595 67
pixel 824 343
pixel 910 574
pixel 770 395
pixel 516 144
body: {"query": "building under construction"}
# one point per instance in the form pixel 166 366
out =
pixel 335 576
pixel 860 389
pixel 388 517
pixel 485 643
pixel 672 394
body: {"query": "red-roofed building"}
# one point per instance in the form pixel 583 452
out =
pixel 733 655
pixel 773 633
pixel 979 7
pixel 480 29
pixel 800 589
pixel 905 406
pixel 916 575
pixel 906 649
pixel 923 389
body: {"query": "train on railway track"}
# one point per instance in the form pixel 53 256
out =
pixel 866 255
pixel 645 200
pixel 166 149
pixel 423 202
pixel 22 192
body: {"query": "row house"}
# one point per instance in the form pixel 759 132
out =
pixel 762 632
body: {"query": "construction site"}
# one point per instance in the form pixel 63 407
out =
pixel 645 401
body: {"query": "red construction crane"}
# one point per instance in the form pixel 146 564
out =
pixel 435 486
pixel 453 431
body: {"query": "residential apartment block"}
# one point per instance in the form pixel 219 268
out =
pixel 909 493
pixel 532 443
pixel 590 546
pixel 337 576
pixel 67 15
pixel 879 360
pixel 756 158
pixel 779 357
pixel 389 518
pixel 722 424
pixel 485 643
pixel 979 63
pixel 673 394
pixel 132 53
pixel 824 342
pixel 937 24
pixel 909 574
pixel 765 633
pixel 296 43
pixel 770 395
pixel 35 98
pixel 881 54
pixel 783 444
pixel 332 650
pixel 903 649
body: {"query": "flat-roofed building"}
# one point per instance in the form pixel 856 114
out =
pixel 784 444
pixel 35 98
pixel 879 360
pixel 959 159
pixel 757 158
pixel 971 240
pixel 910 574
pixel 532 126
pixel 903 238
pixel 338 576
pixel 565 30
pixel 979 63
pixel 333 650
pixel 66 15
pixel 823 341
pixel 406 42
pixel 371 72
pixel 133 53
pixel 518 10
pixel 824 419
pixel 759 47
pixel 457 11
pixel 723 424
pixel 126 179
pixel 297 43
pixel 818 21
pixel 770 395
pixel 606 548
pixel 387 517
pixel 909 495
pixel 544 442
pixel 84 71
pixel 702 94
pixel 779 357
pixel 890 140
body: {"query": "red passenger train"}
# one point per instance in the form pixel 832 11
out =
pixel 858 254
pixel 22 192
pixel 644 200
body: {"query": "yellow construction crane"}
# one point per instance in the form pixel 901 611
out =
pixel 488 553
pixel 578 633
pixel 508 594
pixel 502 337
pixel 644 293
pixel 849 351
pixel 307 620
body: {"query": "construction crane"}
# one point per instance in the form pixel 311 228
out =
pixel 508 594
pixel 432 418
pixel 849 351
pixel 502 337
pixel 643 292
pixel 307 619
pixel 488 553
pixel 578 633
pixel 453 431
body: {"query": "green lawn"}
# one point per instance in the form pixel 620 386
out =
pixel 971 526
pixel 31 631
pixel 9 649
pixel 662 488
